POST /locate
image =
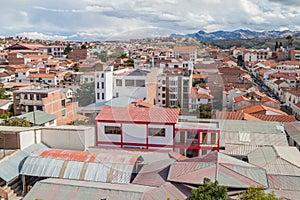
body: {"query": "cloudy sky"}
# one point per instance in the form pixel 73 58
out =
pixel 111 19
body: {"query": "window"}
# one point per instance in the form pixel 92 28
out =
pixel 102 96
pixel 63 103
pixel 49 81
pixel 86 79
pixel 204 138
pixel 163 82
pixel 98 95
pixel 98 85
pixel 173 96
pixel 24 73
pixel 163 88
pixel 129 83
pixel 118 82
pixel 25 96
pixel 102 75
pixel 163 95
pixel 63 112
pixel 31 96
pixel 112 130
pixel 213 137
pixel 39 108
pixel 102 85
pixel 140 83
pixel 158 132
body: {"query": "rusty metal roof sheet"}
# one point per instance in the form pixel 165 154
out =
pixel 61 189
pixel 78 165
pixel 230 172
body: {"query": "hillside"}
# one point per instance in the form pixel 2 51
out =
pixel 257 43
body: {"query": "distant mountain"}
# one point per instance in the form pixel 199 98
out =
pixel 238 34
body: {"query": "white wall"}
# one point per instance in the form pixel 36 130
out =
pixel 107 137
pixel 134 133
pixel 28 138
pixel 68 137
pixel 132 91
pixel 168 139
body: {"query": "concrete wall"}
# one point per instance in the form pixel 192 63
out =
pixel 28 138
pixel 68 137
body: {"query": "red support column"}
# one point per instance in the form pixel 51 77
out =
pixel 97 133
pixel 121 131
pixel 218 140
pixel 147 136
pixel 198 133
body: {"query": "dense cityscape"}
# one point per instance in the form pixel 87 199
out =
pixel 167 115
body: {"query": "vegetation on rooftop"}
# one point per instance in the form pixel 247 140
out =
pixel 209 191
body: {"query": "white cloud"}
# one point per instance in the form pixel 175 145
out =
pixel 107 18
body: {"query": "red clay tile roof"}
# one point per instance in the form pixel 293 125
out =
pixel 194 94
pixel 275 118
pixel 185 48
pixel 240 98
pixel 260 108
pixel 41 75
pixel 138 114
pixel 235 116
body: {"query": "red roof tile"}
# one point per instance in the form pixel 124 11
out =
pixel 138 114
pixel 260 108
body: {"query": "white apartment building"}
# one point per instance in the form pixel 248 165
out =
pixel 103 85
pixel 55 51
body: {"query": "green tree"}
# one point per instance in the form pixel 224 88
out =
pixel 257 193
pixel 3 94
pixel 16 122
pixel 129 62
pixel 205 111
pixel 85 95
pixel 209 191
pixel 78 122
pixel 83 46
pixel 68 49
pixel 122 55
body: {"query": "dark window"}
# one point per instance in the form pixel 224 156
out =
pixel 102 75
pixel 129 83
pixel 163 88
pixel 102 85
pixel 102 96
pixel 63 103
pixel 31 96
pixel 98 85
pixel 25 96
pixel 119 82
pixel 39 108
pixel 159 132
pixel 98 95
pixel 112 130
pixel 63 112
pixel 140 83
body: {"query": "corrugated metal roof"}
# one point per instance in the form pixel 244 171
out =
pixel 62 189
pixel 168 191
pixel 10 165
pixel 154 174
pixel 91 166
pixel 230 172
pixel 280 182
pixel 239 149
pixel 277 160
pixel 38 117
pixel 293 130
pixel 288 194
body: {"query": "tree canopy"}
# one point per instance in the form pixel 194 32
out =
pixel 16 122
pixel 257 193
pixel 3 94
pixel 85 95
pixel 209 191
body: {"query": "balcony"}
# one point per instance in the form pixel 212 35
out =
pixel 31 102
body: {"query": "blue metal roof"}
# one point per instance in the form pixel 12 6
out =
pixel 10 166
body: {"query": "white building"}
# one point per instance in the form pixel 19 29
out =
pixel 199 96
pixel 55 51
pixel 154 128
pixel 103 85
pixel 132 83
